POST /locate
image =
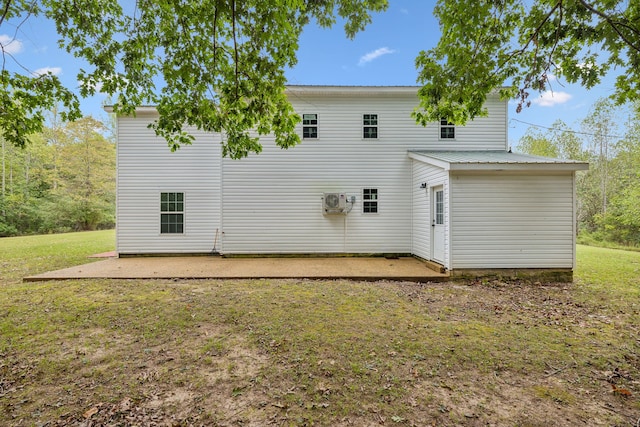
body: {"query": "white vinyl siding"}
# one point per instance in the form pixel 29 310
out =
pixel 421 210
pixel 147 168
pixel 510 220
pixel 272 202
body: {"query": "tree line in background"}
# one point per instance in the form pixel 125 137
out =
pixel 63 180
pixel 609 192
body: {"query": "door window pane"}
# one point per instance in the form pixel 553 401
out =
pixel 439 207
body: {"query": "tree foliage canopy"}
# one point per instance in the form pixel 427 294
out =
pixel 216 65
pixel 521 43
pixel 64 180
pixel 219 65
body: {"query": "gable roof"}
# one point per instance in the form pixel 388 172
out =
pixel 348 90
pixel 494 160
pixel 345 91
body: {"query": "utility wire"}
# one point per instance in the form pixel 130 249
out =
pixel 564 130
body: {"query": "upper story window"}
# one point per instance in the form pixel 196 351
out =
pixel 370 126
pixel 171 213
pixel 309 126
pixel 447 129
pixel 370 200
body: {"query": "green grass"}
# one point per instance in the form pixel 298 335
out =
pixel 612 271
pixel 299 352
pixel 22 256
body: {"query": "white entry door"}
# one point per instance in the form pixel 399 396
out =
pixel 437 224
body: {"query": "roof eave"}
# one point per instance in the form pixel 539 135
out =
pixel 142 109
pixel 532 165
pixel 558 167
pixel 434 162
pixel 351 90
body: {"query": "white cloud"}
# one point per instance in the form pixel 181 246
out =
pixel 56 71
pixel 551 98
pixel 404 11
pixel 374 54
pixel 10 45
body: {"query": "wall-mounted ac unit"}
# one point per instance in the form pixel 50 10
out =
pixel 334 203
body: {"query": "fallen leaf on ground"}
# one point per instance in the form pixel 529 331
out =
pixel 91 412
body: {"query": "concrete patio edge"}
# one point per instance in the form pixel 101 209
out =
pixel 215 267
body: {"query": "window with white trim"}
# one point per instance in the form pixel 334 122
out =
pixel 171 213
pixel 370 200
pixel 370 126
pixel 309 126
pixel 447 129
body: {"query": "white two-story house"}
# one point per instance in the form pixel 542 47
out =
pixel 366 179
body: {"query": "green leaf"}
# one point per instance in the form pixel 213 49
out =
pixel 217 66
pixel 514 47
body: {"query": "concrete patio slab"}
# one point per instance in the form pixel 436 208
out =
pixel 215 267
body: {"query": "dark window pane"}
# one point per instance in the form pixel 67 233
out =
pixel 370 119
pixel 447 132
pixel 172 222
pixel 309 132
pixel 370 193
pixel 309 119
pixel 370 207
pixel 171 202
pixel 370 132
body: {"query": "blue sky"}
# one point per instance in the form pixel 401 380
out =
pixel 383 54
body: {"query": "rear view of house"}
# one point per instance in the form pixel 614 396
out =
pixel 366 179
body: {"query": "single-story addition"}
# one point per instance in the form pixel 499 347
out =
pixel 366 179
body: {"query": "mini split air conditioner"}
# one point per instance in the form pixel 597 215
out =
pixel 334 203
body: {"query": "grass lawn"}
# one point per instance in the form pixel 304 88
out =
pixel 325 353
